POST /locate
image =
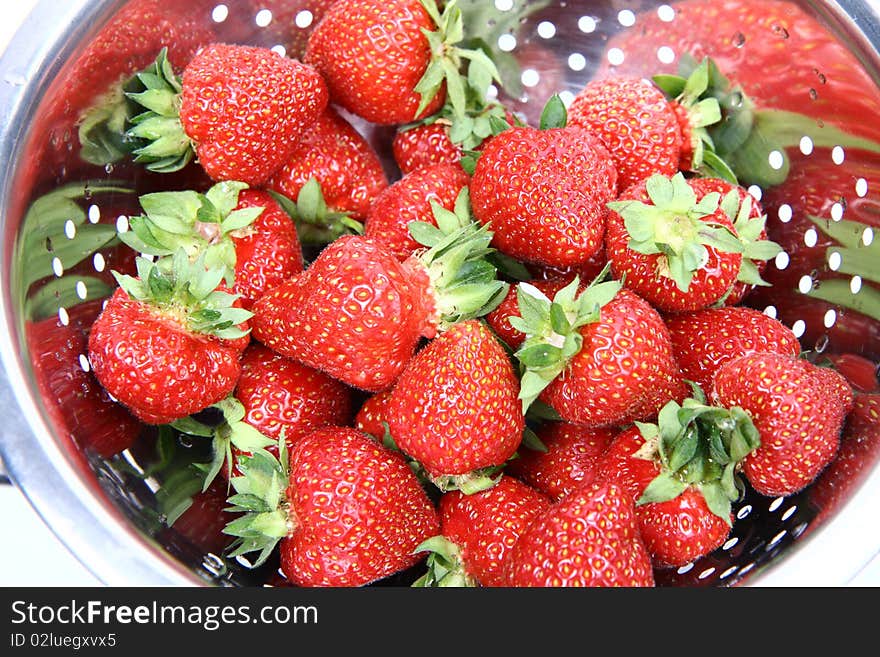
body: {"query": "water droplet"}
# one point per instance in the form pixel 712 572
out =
pixel 185 440
pixel 814 94
pixel 108 168
pixel 779 31
pixel 736 100
pixel 739 40
pixel 822 343
pixel 820 76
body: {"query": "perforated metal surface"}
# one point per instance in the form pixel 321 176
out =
pixel 559 46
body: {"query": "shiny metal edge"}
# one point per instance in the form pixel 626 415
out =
pixel 97 534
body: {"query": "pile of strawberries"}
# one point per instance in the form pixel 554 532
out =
pixel 525 361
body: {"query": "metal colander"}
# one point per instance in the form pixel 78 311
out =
pixel 61 214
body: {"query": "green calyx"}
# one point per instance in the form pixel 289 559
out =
pixel 200 224
pixel 672 226
pixel 187 291
pixel 233 431
pixel 751 143
pixel 316 224
pixel 750 231
pixel 552 332
pixel 700 446
pixel 261 496
pixel 103 127
pixel 457 260
pixel 447 62
pixel 445 567
pixel 470 483
pixel 703 111
pixel 167 148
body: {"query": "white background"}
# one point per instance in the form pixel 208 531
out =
pixel 31 554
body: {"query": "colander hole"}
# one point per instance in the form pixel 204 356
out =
pixel 70 229
pixel 861 188
pixel 830 318
pixel 811 237
pixel 837 212
pixel 279 49
pixel 685 568
pixel 868 236
pixel 220 13
pixel 775 504
pixel 263 18
pixel 806 145
pixel 626 18
pixel 744 511
pixel 782 261
pixel 507 42
pixel 304 19
pixel 776 160
pixel 785 213
pixel 84 364
pixel 771 311
pixel 727 573
pixel 81 290
pixel 546 30
pixel 730 543
pixel 745 569
pixel 756 192
pixel 666 13
pixel 63 317
pixel 94 214
pixel 799 328
pixel 566 97
pixel 98 262
pixel 122 224
pixel 855 284
pixel 798 530
pixel 665 54
pixel 834 260
pixel 57 267
pixel 616 56
pixel 838 155
pixel 706 573
pixel 587 24
pixel 503 5
pixel 577 62
pixel 789 512
pixel 530 77
pixel 775 540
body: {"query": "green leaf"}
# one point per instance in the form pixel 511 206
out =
pixel 555 114
pixel 717 500
pixel 663 487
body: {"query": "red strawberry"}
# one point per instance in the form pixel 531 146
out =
pixel 357 313
pixel 340 159
pixel 373 414
pixel 477 532
pixel 411 199
pixel 499 319
pixel 569 461
pixel 424 145
pixel 544 193
pixel 77 404
pixel 793 409
pixel 454 408
pixel 591 538
pixel 599 359
pixel 635 122
pixel 675 244
pixel 167 344
pixel 226 117
pixel 681 473
pixel 859 446
pixel 860 372
pixel 245 230
pixel 373 54
pixel 282 395
pixel 706 339
pixel 348 511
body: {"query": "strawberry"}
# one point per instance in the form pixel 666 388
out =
pixel 568 462
pixel 795 411
pixel 675 243
pixel 860 372
pixel 499 319
pixel 357 313
pixel 340 159
pixel 372 416
pixel 477 532
pixel 858 452
pixel 706 339
pixel 244 230
pixel 77 404
pixel 220 112
pixel 412 199
pixel 454 408
pixel 682 474
pixel 346 510
pixel 423 145
pixel 600 359
pixel 167 344
pixel 635 123
pixel 282 395
pixel 591 538
pixel 544 193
